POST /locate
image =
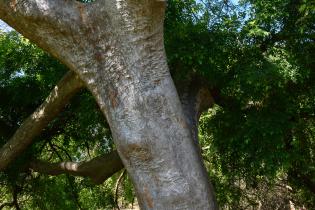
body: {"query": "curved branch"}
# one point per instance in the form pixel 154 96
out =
pixel 39 14
pixel 195 98
pixel 57 26
pixel 98 169
pixel 34 124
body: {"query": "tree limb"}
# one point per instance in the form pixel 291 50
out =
pixel 34 124
pixel 54 25
pixel 37 15
pixel 195 98
pixel 98 169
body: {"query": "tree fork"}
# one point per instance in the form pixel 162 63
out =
pixel 117 48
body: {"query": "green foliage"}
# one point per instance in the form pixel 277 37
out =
pixel 258 59
pixel 262 127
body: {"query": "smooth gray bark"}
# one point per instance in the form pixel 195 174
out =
pixel 117 49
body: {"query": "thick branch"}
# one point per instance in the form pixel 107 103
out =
pixel 57 26
pixel 39 16
pixel 98 169
pixel 34 124
pixel 195 98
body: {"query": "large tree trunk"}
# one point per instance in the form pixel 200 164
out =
pixel 117 49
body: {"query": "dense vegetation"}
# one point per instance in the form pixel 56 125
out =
pixel 258 140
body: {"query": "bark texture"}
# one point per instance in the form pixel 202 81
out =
pixel 117 49
pixel 34 124
pixel 98 169
pixel 195 99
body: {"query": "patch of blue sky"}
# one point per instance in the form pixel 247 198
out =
pixel 5 27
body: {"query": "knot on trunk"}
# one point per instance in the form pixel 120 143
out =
pixel 137 154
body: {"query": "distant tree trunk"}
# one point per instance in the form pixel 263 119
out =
pixel 117 49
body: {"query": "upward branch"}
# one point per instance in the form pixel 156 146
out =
pixel 54 25
pixel 34 124
pixel 37 17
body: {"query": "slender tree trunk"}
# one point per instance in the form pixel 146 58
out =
pixel 117 49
